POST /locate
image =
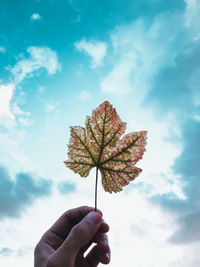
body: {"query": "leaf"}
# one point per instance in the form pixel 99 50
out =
pixel 99 145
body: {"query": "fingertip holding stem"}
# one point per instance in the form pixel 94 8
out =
pixel 94 217
pixel 107 256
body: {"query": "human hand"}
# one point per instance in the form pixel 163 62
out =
pixel 65 243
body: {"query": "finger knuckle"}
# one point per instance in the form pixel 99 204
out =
pixel 37 249
pixel 78 232
pixel 51 263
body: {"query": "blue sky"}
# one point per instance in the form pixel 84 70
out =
pixel 59 60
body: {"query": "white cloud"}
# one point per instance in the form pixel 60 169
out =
pixel 135 226
pixel 11 151
pixel 191 3
pixel 192 18
pixel 10 112
pixel 26 121
pixel 6 94
pixel 17 111
pixel 41 89
pixel 51 106
pixel 84 95
pixel 22 116
pixel 2 49
pixel 36 16
pixel 95 49
pixel 117 81
pixel 40 57
pixel 139 50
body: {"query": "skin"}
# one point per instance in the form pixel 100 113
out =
pixel 65 243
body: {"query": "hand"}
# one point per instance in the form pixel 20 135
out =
pixel 65 243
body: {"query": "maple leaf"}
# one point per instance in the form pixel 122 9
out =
pixel 99 145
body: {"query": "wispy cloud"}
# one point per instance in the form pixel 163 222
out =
pixel 73 5
pixel 6 115
pixel 16 195
pixel 39 57
pixel 6 252
pixel 84 95
pixel 10 111
pixel 2 49
pixel 139 50
pixel 41 89
pixel 51 106
pixel 117 81
pixel 26 121
pixel 175 85
pixel 36 16
pixel 95 49
pixel 188 230
pixel 186 165
pixel 21 252
pixel 66 187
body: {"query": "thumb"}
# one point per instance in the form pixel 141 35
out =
pixel 84 231
pixel 80 235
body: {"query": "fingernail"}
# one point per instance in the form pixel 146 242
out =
pixel 93 217
pixel 108 256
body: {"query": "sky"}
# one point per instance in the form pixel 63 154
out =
pixel 59 60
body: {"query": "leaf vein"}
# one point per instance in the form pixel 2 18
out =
pixel 121 151
pixel 86 147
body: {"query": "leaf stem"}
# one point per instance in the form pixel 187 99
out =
pixel 96 188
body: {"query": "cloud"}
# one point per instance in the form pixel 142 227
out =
pixel 95 49
pixel 175 90
pixel 84 95
pixel 139 50
pixel 76 11
pixel 157 58
pixel 51 106
pixel 73 5
pixel 36 16
pixel 160 60
pixel 2 49
pixel 9 111
pixel 176 87
pixel 40 57
pixel 187 167
pixel 21 252
pixel 66 187
pixel 19 193
pixel 187 164
pixel 149 8
pixel 117 81
pixel 192 18
pixel 11 151
pixel 6 252
pixel 26 121
pixel 41 89
pixel 6 94
pixel 162 67
pixel 189 229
